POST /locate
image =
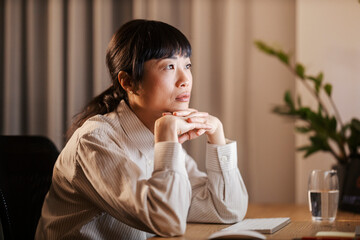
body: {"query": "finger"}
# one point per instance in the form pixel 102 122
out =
pixel 200 132
pixel 187 136
pixel 196 119
pixel 166 113
pixel 201 126
pixel 183 113
pixel 198 114
pixel 183 138
pixel 193 134
pixel 192 126
pixel 194 115
pixel 190 135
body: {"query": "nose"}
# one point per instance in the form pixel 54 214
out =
pixel 183 80
pixel 184 84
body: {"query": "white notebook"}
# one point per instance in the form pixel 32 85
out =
pixel 262 225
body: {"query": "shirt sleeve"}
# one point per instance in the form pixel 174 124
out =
pixel 219 196
pixel 112 181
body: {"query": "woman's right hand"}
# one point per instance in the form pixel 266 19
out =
pixel 178 129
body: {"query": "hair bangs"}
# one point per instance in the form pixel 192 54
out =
pixel 163 41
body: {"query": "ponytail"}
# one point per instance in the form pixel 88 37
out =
pixel 104 103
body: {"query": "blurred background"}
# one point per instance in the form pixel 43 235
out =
pixel 52 62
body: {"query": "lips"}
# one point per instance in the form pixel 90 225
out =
pixel 184 97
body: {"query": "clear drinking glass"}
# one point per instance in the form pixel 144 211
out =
pixel 323 193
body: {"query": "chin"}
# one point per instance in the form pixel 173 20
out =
pixel 183 106
pixel 179 107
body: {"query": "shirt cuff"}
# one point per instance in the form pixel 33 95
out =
pixel 221 157
pixel 169 156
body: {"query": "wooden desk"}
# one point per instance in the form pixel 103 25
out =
pixel 301 224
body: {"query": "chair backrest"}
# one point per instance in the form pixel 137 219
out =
pixel 26 165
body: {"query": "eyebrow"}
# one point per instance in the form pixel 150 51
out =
pixel 172 57
pixel 162 59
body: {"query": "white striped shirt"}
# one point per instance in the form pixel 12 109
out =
pixel 111 181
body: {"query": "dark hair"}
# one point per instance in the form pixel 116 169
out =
pixel 129 48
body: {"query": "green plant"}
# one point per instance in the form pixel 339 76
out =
pixel 326 132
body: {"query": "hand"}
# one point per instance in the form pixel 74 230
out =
pixel 173 128
pixel 215 134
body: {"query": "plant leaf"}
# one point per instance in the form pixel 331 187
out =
pixel 283 57
pixel 302 129
pixel 300 70
pixel 333 124
pixel 265 48
pixel 328 89
pixel 309 150
pixel 288 100
pixel 320 109
pixel 317 81
pixel 354 139
pixel 320 77
pixel 356 124
pixel 303 148
pixel 282 110
pixel 303 113
pixel 299 101
pixel 320 141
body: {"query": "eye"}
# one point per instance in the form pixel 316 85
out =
pixel 170 67
pixel 188 66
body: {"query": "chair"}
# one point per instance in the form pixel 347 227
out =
pixel 26 165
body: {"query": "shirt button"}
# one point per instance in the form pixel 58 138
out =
pixel 150 162
pixel 224 159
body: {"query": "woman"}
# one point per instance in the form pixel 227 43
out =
pixel 123 174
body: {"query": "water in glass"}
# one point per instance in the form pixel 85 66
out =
pixel 323 204
pixel 323 195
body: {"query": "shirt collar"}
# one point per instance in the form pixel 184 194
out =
pixel 138 133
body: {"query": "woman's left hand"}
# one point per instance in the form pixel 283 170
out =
pixel 215 134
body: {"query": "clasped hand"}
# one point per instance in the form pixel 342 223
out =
pixel 189 124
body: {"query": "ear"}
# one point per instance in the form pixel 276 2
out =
pixel 125 81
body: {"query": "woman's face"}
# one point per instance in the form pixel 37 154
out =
pixel 166 85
